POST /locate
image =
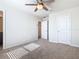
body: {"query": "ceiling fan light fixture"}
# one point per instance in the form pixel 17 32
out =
pixel 39 6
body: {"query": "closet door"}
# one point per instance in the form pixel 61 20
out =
pixel 63 27
pixel 44 29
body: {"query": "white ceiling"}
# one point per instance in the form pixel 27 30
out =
pixel 20 4
pixel 59 5
pixel 56 5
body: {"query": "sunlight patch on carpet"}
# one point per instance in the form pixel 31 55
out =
pixel 32 46
pixel 17 53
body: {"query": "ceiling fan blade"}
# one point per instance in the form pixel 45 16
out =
pixel 35 9
pixel 45 8
pixel 31 4
pixel 41 0
pixel 37 1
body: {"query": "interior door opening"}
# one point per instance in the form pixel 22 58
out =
pixel 39 30
pixel 1 30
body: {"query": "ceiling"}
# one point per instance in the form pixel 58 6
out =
pixel 59 5
pixel 53 5
pixel 20 4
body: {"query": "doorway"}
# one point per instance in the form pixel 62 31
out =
pixel 39 30
pixel 1 30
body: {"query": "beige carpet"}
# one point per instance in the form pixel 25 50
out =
pixel 49 50
pixel 0 47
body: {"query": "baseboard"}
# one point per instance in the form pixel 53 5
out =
pixel 53 41
pixel 73 45
pixel 18 43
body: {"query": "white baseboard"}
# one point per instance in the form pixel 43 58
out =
pixel 19 43
pixel 73 45
pixel 53 41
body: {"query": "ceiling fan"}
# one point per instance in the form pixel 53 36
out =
pixel 39 5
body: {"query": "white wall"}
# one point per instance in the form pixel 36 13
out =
pixel 73 13
pixel 52 28
pixel 20 26
pixel 75 26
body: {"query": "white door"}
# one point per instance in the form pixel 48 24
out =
pixel 63 26
pixel 44 29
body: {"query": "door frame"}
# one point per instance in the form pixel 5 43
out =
pixel 4 29
pixel 48 30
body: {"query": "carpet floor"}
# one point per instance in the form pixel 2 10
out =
pixel 47 50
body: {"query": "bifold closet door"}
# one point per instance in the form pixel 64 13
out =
pixel 60 29
pixel 63 27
